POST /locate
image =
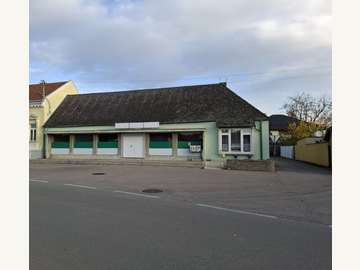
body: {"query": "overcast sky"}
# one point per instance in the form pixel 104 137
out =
pixel 266 50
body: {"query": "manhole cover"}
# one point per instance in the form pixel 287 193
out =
pixel 152 190
pixel 98 173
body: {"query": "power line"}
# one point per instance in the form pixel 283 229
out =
pixel 284 78
pixel 226 77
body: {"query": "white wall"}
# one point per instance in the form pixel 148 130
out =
pixel 186 153
pixel 60 151
pixel 82 151
pixel 160 151
pixel 107 151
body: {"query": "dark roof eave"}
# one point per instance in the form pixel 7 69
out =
pixel 112 124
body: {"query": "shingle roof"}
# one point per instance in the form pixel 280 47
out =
pixel 185 104
pixel 36 90
pixel 281 121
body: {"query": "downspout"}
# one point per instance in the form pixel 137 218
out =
pixel 261 140
pixel 45 142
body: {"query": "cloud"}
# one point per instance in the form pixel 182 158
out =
pixel 151 43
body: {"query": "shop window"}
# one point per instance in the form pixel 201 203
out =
pixel 189 138
pixel 83 141
pixel 107 141
pixel 160 140
pixel 61 141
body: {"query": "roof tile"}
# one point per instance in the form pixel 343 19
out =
pixel 36 90
pixel 185 104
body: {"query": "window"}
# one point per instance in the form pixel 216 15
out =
pixel 61 141
pixel 83 141
pixel 33 132
pixel 235 140
pixel 225 143
pixel 246 142
pixel 187 138
pixel 160 140
pixel 107 141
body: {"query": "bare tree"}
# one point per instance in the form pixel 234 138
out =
pixel 310 109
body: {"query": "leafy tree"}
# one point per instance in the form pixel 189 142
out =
pixel 301 130
pixel 314 114
pixel 310 109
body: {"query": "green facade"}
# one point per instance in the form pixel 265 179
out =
pixel 210 144
pixel 160 144
pixel 60 145
pixel 83 144
pixel 113 144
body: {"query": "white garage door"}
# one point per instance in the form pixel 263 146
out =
pixel 133 146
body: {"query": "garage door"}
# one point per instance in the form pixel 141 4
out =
pixel 133 146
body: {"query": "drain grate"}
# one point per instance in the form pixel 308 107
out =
pixel 98 173
pixel 152 190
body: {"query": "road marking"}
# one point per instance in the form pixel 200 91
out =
pixel 40 181
pixel 137 194
pixel 80 186
pixel 236 211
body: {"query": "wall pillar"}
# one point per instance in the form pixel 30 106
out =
pixel 174 144
pixel 147 144
pixel 119 145
pixel 48 141
pixel 203 150
pixel 71 143
pixel 95 141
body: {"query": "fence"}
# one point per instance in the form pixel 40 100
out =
pixel 316 153
pixel 287 151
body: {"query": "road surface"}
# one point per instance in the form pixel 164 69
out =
pixel 84 227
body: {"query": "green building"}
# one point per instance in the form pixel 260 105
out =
pixel 201 122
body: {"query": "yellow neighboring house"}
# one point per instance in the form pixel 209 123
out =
pixel 44 98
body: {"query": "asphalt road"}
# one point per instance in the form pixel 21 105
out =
pixel 81 228
pixel 296 191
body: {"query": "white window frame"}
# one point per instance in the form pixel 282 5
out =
pixel 33 132
pixel 243 131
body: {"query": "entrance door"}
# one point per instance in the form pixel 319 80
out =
pixel 133 146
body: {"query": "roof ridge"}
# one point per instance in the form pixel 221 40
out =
pixel 49 83
pixel 149 89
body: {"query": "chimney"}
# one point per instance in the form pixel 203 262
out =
pixel 43 88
